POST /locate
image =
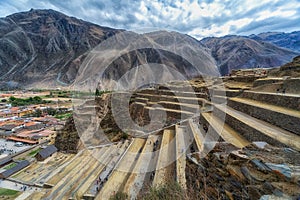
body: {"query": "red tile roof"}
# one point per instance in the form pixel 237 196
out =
pixel 22 140
pixel 30 124
pixel 13 109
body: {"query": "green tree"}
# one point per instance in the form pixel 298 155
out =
pixel 97 93
pixel 12 98
pixel 37 99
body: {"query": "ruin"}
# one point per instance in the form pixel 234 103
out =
pixel 215 144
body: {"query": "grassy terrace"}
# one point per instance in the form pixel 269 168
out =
pixel 8 194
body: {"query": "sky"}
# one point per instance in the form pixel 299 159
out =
pixel 194 17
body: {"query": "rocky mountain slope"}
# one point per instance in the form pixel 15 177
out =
pixel 290 69
pixel 44 48
pixel 237 52
pixel 44 45
pixel 286 40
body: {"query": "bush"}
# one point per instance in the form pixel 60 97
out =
pixel 125 136
pixel 169 191
pixel 119 196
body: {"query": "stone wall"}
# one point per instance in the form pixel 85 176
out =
pixel 292 102
pixel 227 93
pixel 287 122
pixel 249 133
pixel 260 82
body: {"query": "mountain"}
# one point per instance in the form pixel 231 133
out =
pixel 238 52
pixel 40 46
pixel 286 40
pixel 155 57
pixel 45 49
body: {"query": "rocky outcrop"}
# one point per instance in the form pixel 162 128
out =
pixel 67 139
pixel 248 173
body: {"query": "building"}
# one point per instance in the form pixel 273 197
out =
pixel 257 72
pixel 34 136
pixel 15 111
pixel 46 153
pixel 21 165
pixel 5 160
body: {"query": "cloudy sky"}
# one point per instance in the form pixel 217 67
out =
pixel 199 18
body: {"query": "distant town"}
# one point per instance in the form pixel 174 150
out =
pixel 29 121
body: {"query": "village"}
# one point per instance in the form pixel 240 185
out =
pixel 29 121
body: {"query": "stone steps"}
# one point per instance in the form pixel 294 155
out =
pixel 83 187
pixel 165 169
pixel 78 179
pixel 177 114
pixel 197 135
pixel 136 179
pixel 109 163
pixel 76 161
pixel 66 182
pixel 226 92
pixel 187 100
pixel 257 130
pixel 280 116
pixel 219 99
pixel 226 132
pixel 181 148
pixel 122 171
pixel 181 93
pixel 291 101
pixel 177 106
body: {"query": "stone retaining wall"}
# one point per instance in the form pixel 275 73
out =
pixel 248 132
pixel 275 99
pixel 281 120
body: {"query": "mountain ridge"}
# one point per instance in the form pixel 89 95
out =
pixel 239 52
pixel 45 48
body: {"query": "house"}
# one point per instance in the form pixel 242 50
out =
pixel 46 152
pixel 17 139
pixel 44 136
pixel 21 165
pixel 34 136
pixel 5 134
pixel 5 160
pixel 33 125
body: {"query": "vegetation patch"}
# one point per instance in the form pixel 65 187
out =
pixel 27 101
pixel 34 152
pixel 119 196
pixel 11 165
pixel 63 116
pixel 169 191
pixel 9 193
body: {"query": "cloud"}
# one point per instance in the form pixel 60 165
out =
pixel 199 18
